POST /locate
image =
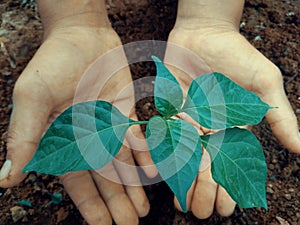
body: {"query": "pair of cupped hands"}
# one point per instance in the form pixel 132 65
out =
pixel 48 84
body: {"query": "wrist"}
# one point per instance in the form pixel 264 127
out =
pixel 198 14
pixel 57 14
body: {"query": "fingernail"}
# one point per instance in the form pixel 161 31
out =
pixel 5 169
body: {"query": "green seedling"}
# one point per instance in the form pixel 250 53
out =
pixel 56 199
pixel 24 202
pixel 88 135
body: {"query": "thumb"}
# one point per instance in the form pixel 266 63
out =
pixel 282 119
pixel 27 123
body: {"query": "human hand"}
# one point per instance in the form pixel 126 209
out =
pixel 46 87
pixel 210 30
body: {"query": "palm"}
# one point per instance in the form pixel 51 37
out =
pixel 53 80
pixel 60 63
pixel 226 51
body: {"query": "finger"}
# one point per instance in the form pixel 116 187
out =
pixel 137 143
pixel 126 169
pixel 81 188
pixel 189 197
pixel 224 203
pixel 205 191
pixel 28 121
pixel 282 120
pixel 124 101
pixel 121 208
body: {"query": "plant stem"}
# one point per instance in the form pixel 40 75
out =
pixel 140 122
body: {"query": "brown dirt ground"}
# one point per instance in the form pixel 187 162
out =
pixel 271 26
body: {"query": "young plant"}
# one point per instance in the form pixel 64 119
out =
pixel 88 135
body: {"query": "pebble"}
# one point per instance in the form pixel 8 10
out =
pixel 242 24
pixel 257 38
pixel 270 190
pixel 17 213
pixel 31 178
pixel 290 14
pixel 288 196
pixel 282 221
pixel 10 106
pixel 61 215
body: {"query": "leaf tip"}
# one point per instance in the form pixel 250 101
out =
pixel 273 107
pixel 156 59
pixel 26 170
pixel 265 205
pixel 184 209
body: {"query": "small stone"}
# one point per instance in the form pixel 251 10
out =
pixel 30 212
pixel 291 190
pixel 147 106
pixel 288 196
pixel 36 187
pixel 270 190
pixel 25 219
pixel 31 178
pixel 242 24
pixel 290 14
pixel 282 221
pixel 17 213
pixel 61 215
pixel 257 38
pixel 10 106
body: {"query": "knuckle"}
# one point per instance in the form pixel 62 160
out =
pixel 124 155
pixel 31 89
pixel 23 87
pixel 269 79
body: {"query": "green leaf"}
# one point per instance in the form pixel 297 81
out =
pixel 86 136
pixel 168 95
pixel 175 148
pixel 56 198
pixel 238 164
pixel 24 202
pixel 216 102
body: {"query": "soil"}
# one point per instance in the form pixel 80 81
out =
pixel 271 26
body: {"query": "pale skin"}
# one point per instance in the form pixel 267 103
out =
pixel 76 33
pixel 210 29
